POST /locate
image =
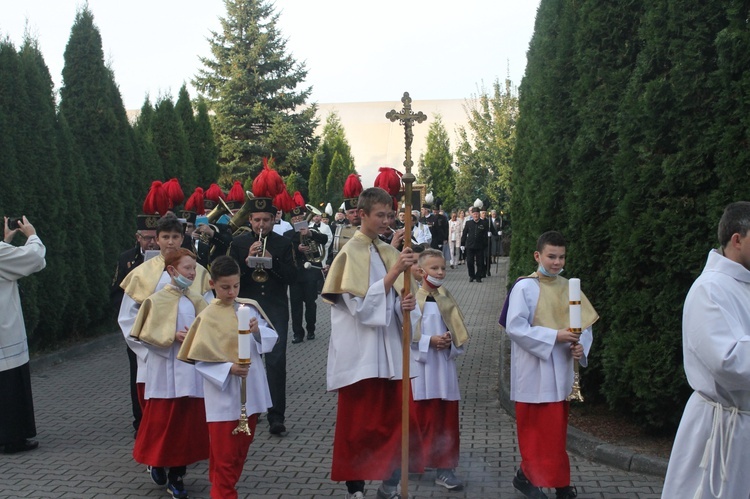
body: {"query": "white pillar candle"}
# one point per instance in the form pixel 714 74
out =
pixel 574 296
pixel 243 338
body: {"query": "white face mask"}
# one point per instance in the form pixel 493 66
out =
pixel 434 281
pixel 544 271
pixel 182 282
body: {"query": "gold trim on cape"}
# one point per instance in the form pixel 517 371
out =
pixel 449 312
pixel 553 309
pixel 141 282
pixel 213 335
pixel 350 270
pixel 156 322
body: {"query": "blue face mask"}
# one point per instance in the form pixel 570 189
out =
pixel 182 282
pixel 544 272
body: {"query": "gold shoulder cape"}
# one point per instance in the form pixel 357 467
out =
pixel 141 282
pixel 213 335
pixel 449 312
pixel 350 270
pixel 156 321
pixel 553 309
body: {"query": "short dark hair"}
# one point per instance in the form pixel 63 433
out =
pixel 735 220
pixel 475 210
pixel 372 196
pixel 224 266
pixel 169 223
pixel 550 238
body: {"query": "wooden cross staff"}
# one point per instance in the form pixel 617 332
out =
pixel 406 118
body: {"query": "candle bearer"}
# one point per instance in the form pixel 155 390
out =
pixel 544 344
pixel 220 355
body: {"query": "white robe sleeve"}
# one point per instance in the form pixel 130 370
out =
pixel 126 319
pixel 537 340
pixel 266 338
pixel 375 309
pixel 21 261
pixel 216 373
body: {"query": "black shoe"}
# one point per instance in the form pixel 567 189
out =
pixel 277 428
pixel 21 446
pixel 479 279
pixel 310 336
pixel 297 339
pixel 525 487
pixel 471 279
pixel 568 492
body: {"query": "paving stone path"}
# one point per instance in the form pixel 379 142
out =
pixel 86 439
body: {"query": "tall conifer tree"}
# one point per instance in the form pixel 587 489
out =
pixel 93 109
pixel 171 144
pixel 251 83
pixel 205 153
pixel 436 165
pixel 333 141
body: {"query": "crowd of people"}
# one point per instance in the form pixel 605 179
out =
pixel 188 291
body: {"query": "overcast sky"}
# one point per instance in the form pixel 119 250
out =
pixel 354 51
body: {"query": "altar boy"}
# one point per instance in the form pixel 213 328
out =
pixel 212 344
pixel 541 368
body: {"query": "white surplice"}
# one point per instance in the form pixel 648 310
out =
pixel 436 376
pixel 541 369
pixel 709 457
pixel 365 337
pixel 16 262
pixel 167 377
pixel 221 390
pixel 126 318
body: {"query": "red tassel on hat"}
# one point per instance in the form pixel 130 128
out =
pixel 268 184
pixel 195 202
pixel 213 193
pixel 298 199
pixel 236 193
pixel 174 192
pixel 157 201
pixel 352 186
pixel 284 201
pixel 389 179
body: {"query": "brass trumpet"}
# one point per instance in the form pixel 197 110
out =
pixel 260 274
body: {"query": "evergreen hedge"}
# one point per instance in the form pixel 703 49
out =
pixel 632 137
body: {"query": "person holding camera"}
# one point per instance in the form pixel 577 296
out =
pixel 17 423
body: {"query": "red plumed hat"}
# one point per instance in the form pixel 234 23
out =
pixel 352 186
pixel 213 193
pixel 284 201
pixel 236 193
pixel 389 179
pixel 298 199
pixel 268 184
pixel 195 201
pixel 157 200
pixel 174 192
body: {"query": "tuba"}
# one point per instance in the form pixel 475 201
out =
pixel 314 253
pixel 238 222
pixel 215 214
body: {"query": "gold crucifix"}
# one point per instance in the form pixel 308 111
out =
pixel 407 118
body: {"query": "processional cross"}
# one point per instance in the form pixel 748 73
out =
pixel 407 118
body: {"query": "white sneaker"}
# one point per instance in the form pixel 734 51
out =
pixel 356 495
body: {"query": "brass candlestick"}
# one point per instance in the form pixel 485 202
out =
pixel 242 426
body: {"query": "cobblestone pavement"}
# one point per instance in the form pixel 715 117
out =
pixel 86 440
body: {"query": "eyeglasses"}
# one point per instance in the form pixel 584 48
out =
pixel 147 238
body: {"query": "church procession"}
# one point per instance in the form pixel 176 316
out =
pixel 544 295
